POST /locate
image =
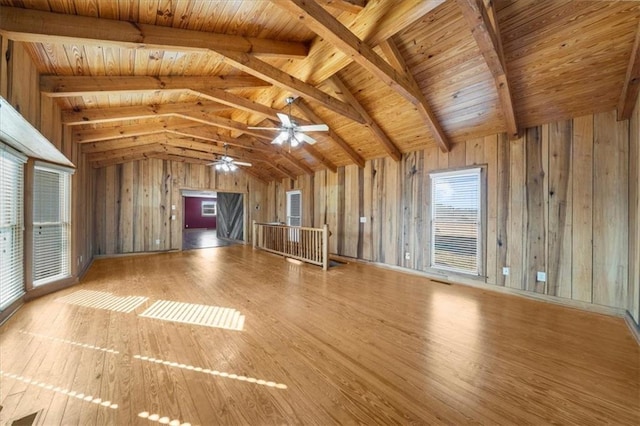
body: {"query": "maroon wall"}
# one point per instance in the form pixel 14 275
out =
pixel 193 213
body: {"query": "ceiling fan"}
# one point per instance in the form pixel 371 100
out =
pixel 291 132
pixel 226 163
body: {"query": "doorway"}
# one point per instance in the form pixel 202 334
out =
pixel 200 220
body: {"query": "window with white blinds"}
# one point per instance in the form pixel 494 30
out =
pixel 456 216
pixel 11 226
pixel 294 214
pixel 51 224
pixel 294 208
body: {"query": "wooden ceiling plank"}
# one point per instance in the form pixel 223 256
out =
pixel 486 32
pixel 395 58
pixel 375 128
pixel 134 150
pixel 277 77
pixel 82 85
pixel 319 156
pixel 36 26
pixel 631 87
pixel 304 107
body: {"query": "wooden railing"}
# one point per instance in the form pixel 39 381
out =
pixel 307 244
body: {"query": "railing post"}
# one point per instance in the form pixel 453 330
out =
pixel 254 236
pixel 325 247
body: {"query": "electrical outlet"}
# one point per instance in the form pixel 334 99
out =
pixel 505 271
pixel 363 219
pixel 157 242
pixel 173 217
pixel 173 206
pixel 407 256
pixel 541 277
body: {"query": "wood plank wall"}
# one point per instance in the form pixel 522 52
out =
pixel 634 215
pixel 133 203
pixel 556 201
pixel 19 84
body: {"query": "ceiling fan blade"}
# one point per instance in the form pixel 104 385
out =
pixel 313 128
pixel 242 163
pixel 285 120
pixel 306 138
pixel 264 128
pixel 280 138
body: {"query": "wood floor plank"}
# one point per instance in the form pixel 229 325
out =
pixel 355 344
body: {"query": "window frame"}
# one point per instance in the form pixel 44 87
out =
pixel 481 172
pixel 208 205
pixel 17 289
pixel 65 222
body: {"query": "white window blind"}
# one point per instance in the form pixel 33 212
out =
pixel 294 208
pixel 456 220
pixel 294 214
pixel 51 224
pixel 11 226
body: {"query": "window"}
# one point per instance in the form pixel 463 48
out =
pixel 11 226
pixel 51 223
pixel 294 208
pixel 208 208
pixel 294 214
pixel 456 219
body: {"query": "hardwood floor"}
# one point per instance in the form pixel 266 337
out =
pixel 356 344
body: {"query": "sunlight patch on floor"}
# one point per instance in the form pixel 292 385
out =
pixel 58 389
pixel 162 420
pixel 70 342
pixel 213 372
pixel 103 300
pixel 189 313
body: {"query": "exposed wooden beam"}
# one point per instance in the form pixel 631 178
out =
pixel 210 93
pixel 351 153
pixel 36 26
pixel 375 128
pixel 631 88
pixel 277 77
pixel 395 58
pixel 353 6
pixel 378 21
pixel 329 28
pixel 486 32
pixel 110 145
pixel 122 159
pixel 114 132
pixel 124 152
pixel 191 111
pixel 244 141
pixel 82 85
pixel 319 156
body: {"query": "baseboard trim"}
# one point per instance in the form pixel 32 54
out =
pixel 459 280
pixel 633 326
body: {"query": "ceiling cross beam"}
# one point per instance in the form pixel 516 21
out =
pixel 329 28
pixel 37 26
pixel 631 87
pixel 486 32
pixel 380 135
pixel 304 107
pixel 86 85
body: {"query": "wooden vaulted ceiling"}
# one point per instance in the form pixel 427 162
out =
pixel 178 79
